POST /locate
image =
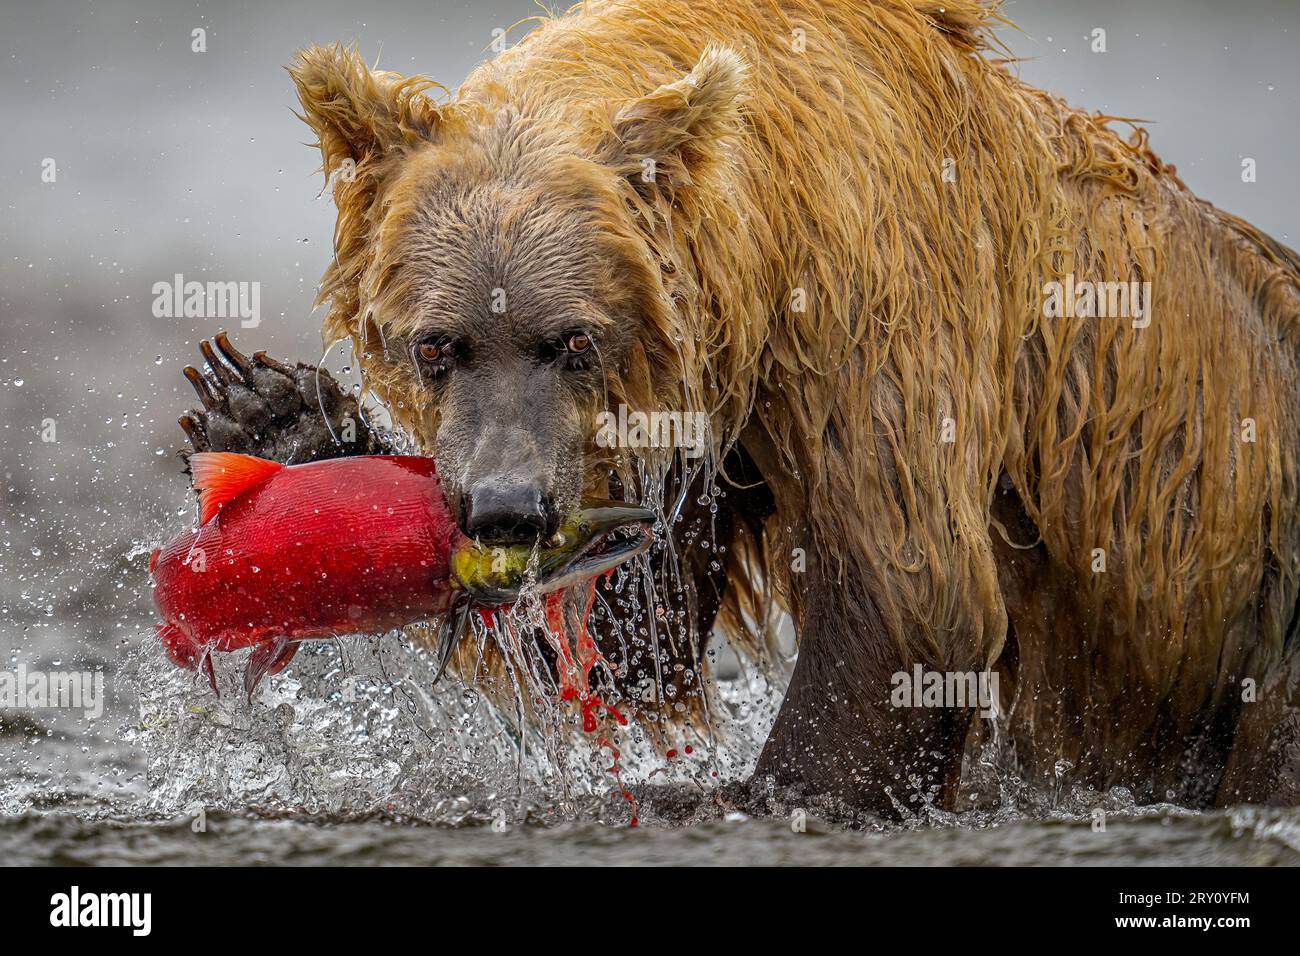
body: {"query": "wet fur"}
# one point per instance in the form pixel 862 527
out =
pixel 822 171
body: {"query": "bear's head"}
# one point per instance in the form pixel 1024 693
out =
pixel 514 262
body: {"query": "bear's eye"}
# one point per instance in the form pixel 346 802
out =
pixel 573 349
pixel 436 354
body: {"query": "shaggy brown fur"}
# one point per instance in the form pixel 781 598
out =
pixel 800 269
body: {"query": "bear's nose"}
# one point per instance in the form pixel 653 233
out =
pixel 508 513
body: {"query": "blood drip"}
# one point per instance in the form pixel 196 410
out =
pixel 575 680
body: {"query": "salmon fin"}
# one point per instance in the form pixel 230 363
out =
pixel 450 632
pixel 210 671
pixel 271 658
pixel 285 657
pixel 222 476
pixel 184 652
pixel 179 646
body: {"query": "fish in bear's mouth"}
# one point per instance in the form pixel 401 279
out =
pixel 594 540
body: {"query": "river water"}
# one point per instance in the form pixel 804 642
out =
pixel 342 761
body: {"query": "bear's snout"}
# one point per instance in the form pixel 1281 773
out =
pixel 508 512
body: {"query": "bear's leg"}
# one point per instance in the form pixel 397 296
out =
pixel 1264 764
pixel 260 407
pixel 839 734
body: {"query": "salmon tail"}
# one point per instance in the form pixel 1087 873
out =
pixel 184 652
pixel 270 658
pixel 222 476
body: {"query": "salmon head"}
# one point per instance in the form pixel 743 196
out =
pixel 596 539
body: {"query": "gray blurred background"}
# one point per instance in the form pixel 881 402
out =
pixel 173 161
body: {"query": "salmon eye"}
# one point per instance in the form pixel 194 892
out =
pixel 576 343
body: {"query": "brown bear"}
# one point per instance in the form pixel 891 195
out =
pixel 990 395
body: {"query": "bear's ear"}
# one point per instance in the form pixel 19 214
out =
pixel 358 112
pixel 674 132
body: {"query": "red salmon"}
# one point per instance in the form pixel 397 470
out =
pixel 285 553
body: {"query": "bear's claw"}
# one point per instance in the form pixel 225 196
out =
pixel 258 406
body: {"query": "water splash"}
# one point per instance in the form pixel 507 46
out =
pixel 356 727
